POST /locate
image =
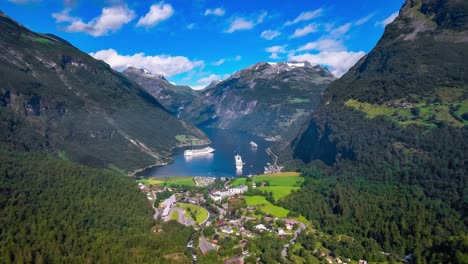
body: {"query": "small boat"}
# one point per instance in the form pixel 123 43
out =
pixel 239 163
pixel 195 152
pixel 253 145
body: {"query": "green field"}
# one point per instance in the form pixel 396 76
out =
pixel 266 207
pixel 186 181
pixel 278 191
pixel 288 179
pixel 175 215
pixel 429 113
pixel 201 215
pixel 281 184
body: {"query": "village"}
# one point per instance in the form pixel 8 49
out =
pixel 227 214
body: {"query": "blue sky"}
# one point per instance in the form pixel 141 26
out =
pixel 195 42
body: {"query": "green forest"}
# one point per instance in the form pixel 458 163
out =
pixel 55 211
pixel 394 218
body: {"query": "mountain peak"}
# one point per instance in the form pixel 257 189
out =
pixel 141 71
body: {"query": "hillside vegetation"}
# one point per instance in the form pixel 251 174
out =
pixel 391 138
pixel 58 99
pixel 55 211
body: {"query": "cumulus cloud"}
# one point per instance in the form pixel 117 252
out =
pixel 110 20
pixel 305 16
pixel 388 20
pixel 270 34
pixel 157 13
pixel 363 20
pixel 160 64
pixel 338 61
pixel 209 79
pixel 215 12
pixel 242 23
pixel 300 32
pixel 275 51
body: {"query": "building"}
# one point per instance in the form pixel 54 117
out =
pixel 238 189
pixel 167 204
pixel 260 227
pixel 362 261
pixel 205 246
pixel 216 238
pixel 218 195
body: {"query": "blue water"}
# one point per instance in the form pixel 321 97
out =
pixel 220 163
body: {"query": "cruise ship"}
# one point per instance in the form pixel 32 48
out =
pixel 195 152
pixel 239 163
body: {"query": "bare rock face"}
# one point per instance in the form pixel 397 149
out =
pixel 172 97
pixel 267 99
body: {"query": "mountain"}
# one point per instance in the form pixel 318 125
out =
pixel 394 129
pixel 267 99
pixel 57 99
pixel 172 97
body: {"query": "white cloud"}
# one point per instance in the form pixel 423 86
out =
pixel 157 13
pixel 275 50
pixel 238 58
pixel 305 16
pixel 219 62
pixel 270 34
pixel 110 20
pixel 209 79
pixel 215 12
pixel 341 30
pixel 363 20
pixel 241 23
pixel 388 20
pixel 323 44
pixel 191 26
pixel 159 64
pixel 300 32
pixel 338 61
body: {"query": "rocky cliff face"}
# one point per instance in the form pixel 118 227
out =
pixel 57 99
pixel 267 99
pixel 172 97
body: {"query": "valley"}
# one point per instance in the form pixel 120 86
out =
pixel 298 139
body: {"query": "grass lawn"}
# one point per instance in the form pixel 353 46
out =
pixel 201 213
pixel 186 181
pixel 175 215
pixel 266 207
pixel 278 191
pixel 288 179
pixel 404 116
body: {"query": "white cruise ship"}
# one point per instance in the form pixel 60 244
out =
pixel 239 163
pixel 195 152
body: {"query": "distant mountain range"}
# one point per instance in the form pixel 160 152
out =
pixel 267 99
pixel 57 99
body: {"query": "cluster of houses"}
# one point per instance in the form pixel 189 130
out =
pixel 146 190
pixel 219 195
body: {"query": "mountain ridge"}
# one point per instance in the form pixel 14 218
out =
pixel 266 99
pixel 57 99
